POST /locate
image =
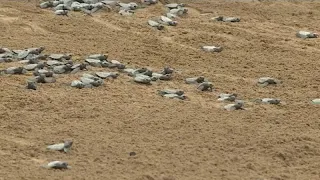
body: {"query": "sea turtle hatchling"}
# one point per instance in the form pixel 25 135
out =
pixel 171 15
pixel 227 97
pixel 237 105
pixel 61 7
pixel 168 21
pixel 61 146
pixel 105 75
pixel 57 165
pixel 61 12
pixel 316 101
pixel 306 34
pixel 264 81
pixel 126 12
pixel 155 24
pixel 77 84
pixel 46 4
pixel 179 11
pixel 194 80
pixel 175 5
pixel 101 57
pixel 128 6
pixel 31 85
pixel 167 70
pixel 226 19
pixel 60 57
pixel 143 79
pixel 171 91
pixel 205 86
pixel 268 101
pixel 149 2
pixel 172 96
pixel 212 48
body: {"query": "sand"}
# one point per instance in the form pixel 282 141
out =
pixel 173 139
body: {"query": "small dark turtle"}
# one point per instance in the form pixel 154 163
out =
pixel 31 85
pixel 167 70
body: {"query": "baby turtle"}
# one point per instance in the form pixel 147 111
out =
pixel 264 81
pixel 172 96
pixel 212 48
pixel 269 101
pixel 126 12
pixel 231 19
pixel 179 11
pixel 60 57
pixel 231 107
pixel 171 15
pixel 175 5
pixel 149 2
pixel 316 101
pixel 101 57
pixel 61 12
pixel 46 4
pixel 171 91
pixel 155 24
pixel 168 21
pixel 78 84
pixel 226 19
pixel 31 67
pixel 61 146
pixel 15 70
pixel 104 75
pixel 194 80
pixel 94 62
pixel 57 165
pixel 205 86
pixel 227 97
pixel 143 79
pixel 31 85
pixel 305 34
pixel 61 7
pixel 167 70
pixel 164 77
pixel 129 6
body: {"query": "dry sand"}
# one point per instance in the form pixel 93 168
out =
pixel 173 139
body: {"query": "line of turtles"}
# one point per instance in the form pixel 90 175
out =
pixel 47 67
